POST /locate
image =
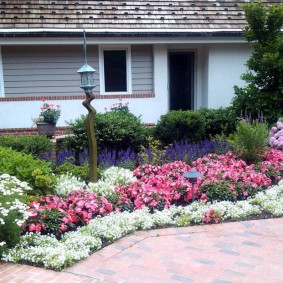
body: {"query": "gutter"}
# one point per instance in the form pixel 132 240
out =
pixel 16 33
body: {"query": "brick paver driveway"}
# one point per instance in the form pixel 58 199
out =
pixel 248 251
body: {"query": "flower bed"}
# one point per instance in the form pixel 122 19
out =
pixel 155 196
pixel 224 177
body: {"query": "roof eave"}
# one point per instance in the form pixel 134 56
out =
pixel 121 33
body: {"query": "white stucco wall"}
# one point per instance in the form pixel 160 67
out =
pixel 226 63
pixel 19 114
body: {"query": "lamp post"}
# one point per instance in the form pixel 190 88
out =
pixel 192 176
pixel 87 84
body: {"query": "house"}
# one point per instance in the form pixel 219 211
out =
pixel 156 55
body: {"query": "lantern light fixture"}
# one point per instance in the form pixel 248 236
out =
pixel 192 176
pixel 87 73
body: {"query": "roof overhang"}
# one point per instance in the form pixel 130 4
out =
pixel 119 36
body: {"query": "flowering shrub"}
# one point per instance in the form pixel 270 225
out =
pixel 157 187
pixel 224 177
pixel 276 135
pixel 13 212
pixel 55 215
pixel 272 166
pixel 50 113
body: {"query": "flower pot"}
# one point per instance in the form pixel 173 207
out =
pixel 47 129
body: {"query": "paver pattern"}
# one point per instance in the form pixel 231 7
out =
pixel 248 251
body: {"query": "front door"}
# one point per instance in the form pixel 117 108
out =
pixel 181 80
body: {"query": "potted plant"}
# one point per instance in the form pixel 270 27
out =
pixel 48 117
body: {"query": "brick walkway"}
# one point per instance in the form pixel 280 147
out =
pixel 248 251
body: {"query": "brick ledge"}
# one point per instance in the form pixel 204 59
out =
pixel 76 97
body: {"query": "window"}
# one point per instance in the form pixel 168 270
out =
pixel 115 70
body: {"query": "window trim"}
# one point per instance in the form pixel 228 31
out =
pixel 126 48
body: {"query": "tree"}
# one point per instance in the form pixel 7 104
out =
pixel 264 77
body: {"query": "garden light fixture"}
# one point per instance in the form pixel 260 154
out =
pixel 192 176
pixel 87 79
pixel 87 84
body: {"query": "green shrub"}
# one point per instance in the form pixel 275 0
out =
pixel 37 173
pixel 180 125
pixel 35 145
pixel 220 121
pixel 79 171
pixel 250 140
pixel 114 130
pixel 77 140
pixel 119 131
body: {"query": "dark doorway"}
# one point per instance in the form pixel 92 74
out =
pixel 181 80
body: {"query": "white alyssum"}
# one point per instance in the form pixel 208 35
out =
pixel 51 253
pixel 10 189
pixel 66 183
pixel 110 178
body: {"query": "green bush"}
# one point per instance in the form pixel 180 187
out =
pixel 114 130
pixel 77 140
pixel 37 173
pixel 119 131
pixel 250 140
pixel 79 171
pixel 220 121
pixel 35 145
pixel 180 125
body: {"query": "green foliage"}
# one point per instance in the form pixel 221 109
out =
pixel 184 221
pixel 35 145
pixel 9 231
pixel 37 173
pixel 79 171
pixel 77 140
pixel 264 78
pixel 250 140
pixel 218 191
pixel 119 131
pixel 157 153
pixel 180 125
pixel 114 130
pixel 220 121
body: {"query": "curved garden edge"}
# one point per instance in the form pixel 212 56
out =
pixel 48 252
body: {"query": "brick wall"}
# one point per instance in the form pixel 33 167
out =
pixel 29 131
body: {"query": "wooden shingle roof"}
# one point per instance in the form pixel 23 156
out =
pixel 123 15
